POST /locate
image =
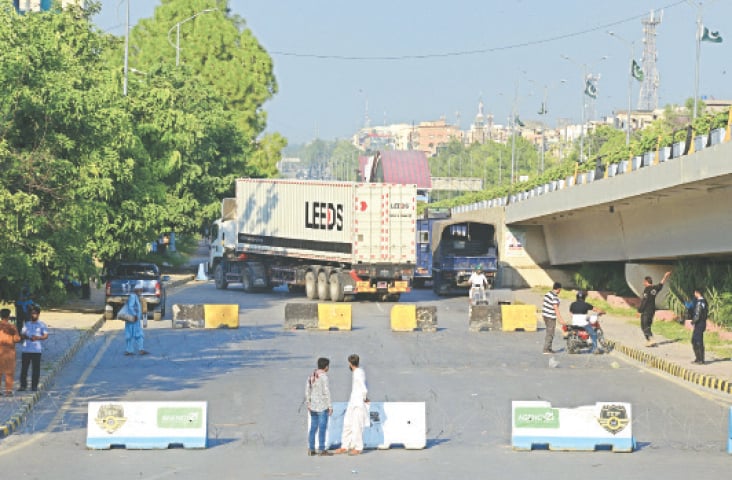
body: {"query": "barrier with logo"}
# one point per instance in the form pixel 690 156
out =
pixel 391 424
pixel 146 425
pixel 602 426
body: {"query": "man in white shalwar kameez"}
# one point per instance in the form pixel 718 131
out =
pixel 357 413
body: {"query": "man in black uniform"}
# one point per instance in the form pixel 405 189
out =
pixel 579 309
pixel 699 320
pixel 647 308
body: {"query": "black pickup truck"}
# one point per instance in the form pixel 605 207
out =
pixel 121 280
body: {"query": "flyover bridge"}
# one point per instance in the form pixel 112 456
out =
pixel 647 212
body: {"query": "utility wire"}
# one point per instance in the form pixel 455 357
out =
pixel 461 53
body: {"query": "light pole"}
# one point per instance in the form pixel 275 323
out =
pixel 630 81
pixel 177 33
pixel 585 77
pixel 544 111
pixel 127 50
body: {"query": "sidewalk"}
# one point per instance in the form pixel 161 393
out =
pixel 69 328
pixel 673 358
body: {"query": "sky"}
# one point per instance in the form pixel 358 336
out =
pixel 409 61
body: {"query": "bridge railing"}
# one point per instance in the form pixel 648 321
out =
pixel 691 145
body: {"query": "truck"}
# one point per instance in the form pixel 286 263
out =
pixel 333 240
pixel 120 280
pixel 449 250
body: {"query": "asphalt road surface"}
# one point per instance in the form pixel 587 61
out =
pixel 253 380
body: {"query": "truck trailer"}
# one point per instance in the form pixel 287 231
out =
pixel 334 240
pixel 449 250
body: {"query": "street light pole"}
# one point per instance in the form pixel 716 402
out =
pixel 127 50
pixel 630 82
pixel 177 31
pixel 544 111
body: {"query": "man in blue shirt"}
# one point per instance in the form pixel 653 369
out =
pixel 33 334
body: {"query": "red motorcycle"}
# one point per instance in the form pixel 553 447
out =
pixel 577 337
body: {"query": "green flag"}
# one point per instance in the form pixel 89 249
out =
pixel 637 71
pixel 519 122
pixel 709 36
pixel 590 88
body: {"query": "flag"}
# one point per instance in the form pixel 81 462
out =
pixel 636 71
pixel 709 36
pixel 590 88
pixel 519 122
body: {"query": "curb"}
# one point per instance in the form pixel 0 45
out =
pixel 29 402
pixel 708 381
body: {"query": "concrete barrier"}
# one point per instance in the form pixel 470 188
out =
pixel 205 316
pixel 603 426
pixel 518 318
pixel 391 424
pixel 301 315
pixel 188 316
pixel 410 317
pixel 221 316
pixel 146 425
pixel 483 318
pixel 334 316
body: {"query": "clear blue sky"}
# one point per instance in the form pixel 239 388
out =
pixel 514 41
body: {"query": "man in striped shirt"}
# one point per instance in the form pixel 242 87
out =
pixel 550 313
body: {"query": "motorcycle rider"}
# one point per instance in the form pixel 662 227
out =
pixel 478 280
pixel 579 310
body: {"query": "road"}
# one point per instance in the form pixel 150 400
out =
pixel 253 380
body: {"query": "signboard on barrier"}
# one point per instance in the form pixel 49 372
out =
pixel 146 425
pixel 604 425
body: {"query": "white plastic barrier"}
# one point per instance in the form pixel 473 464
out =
pixel 392 423
pixel 605 425
pixel 146 425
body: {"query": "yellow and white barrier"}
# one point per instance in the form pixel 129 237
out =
pixel 586 428
pixel 146 425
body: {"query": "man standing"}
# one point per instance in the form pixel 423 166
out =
pixel 8 338
pixel 33 333
pixel 357 413
pixel 317 399
pixel 699 320
pixel 647 308
pixel 579 310
pixel 550 313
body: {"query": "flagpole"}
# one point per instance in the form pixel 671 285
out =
pixel 698 55
pixel 630 82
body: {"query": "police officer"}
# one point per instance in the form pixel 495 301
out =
pixel 699 320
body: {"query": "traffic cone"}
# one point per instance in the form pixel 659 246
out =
pixel 201 273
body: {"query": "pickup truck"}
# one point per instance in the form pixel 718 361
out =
pixel 120 281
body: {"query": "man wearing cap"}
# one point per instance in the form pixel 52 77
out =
pixel 33 333
pixel 134 337
pixel 550 314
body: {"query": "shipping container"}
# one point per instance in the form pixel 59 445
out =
pixel 334 239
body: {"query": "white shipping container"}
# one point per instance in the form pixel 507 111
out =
pixel 331 221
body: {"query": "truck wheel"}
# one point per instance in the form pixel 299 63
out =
pixel 219 278
pixel 336 288
pixel 311 290
pixel 418 282
pixel 394 297
pixel 323 287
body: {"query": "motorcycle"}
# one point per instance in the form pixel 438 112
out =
pixel 478 295
pixel 577 337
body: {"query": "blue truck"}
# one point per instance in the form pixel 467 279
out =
pixel 449 250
